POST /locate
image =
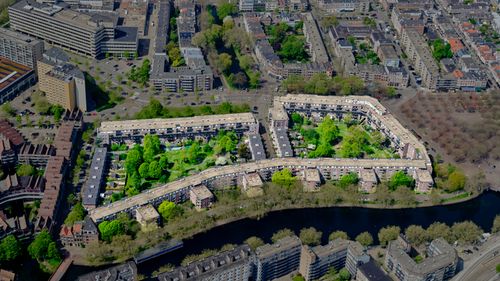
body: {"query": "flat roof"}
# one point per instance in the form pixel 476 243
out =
pixel 10 72
pixel 92 187
pixel 108 127
pixel 18 37
pixel 256 147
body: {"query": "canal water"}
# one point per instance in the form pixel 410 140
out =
pixel 352 220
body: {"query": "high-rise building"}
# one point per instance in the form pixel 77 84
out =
pixel 20 48
pixel 278 259
pixel 63 83
pixel 88 33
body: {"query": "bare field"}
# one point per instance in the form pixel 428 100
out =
pixel 463 128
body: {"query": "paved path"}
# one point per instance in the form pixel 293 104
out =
pixel 61 270
pixel 482 267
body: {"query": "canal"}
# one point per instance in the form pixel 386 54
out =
pixel 352 220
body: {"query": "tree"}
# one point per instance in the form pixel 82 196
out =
pixel 25 170
pixel 338 234
pixel 254 242
pixel 329 21
pixel 133 160
pixel 310 236
pixel 154 170
pixel 456 181
pixel 441 50
pixel 76 214
pixel 42 105
pixel 8 110
pixel 349 179
pixel 496 224
pixel 246 62
pixel 10 248
pixel 387 234
pixel 281 234
pixel 365 239
pixel 144 170
pixel 226 9
pixel 466 232
pixel 238 80
pixel 416 234
pixel 284 178
pixel 152 147
pixel 57 111
pixel 53 252
pixel 169 210
pixel 108 229
pixel 400 178
pixel 439 230
pixel 298 278
pixel 39 247
pixel 224 62
pixel 244 151
pixel 293 49
pixel 344 275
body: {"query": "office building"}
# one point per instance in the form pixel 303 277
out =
pixel 88 33
pixel 235 265
pixel 14 78
pixel 20 48
pixel 278 259
pixel 62 82
pixel 440 263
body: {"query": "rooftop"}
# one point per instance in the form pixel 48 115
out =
pixel 10 72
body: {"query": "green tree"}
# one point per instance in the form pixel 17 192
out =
pixel 441 50
pixel 108 229
pixel 152 147
pixel 284 178
pixel 349 179
pixel 387 234
pixel 338 234
pixel 298 278
pixel 293 49
pixel 329 21
pixel 416 234
pixel 496 224
pixel 144 170
pixel 365 239
pixel 154 170
pixel 25 170
pixel 57 111
pixel 169 210
pixel 281 234
pixel 439 230
pixel 133 160
pixel 466 232
pixel 8 110
pixel 310 236
pixel 38 249
pixel 254 242
pixel 400 178
pixel 76 214
pixel 226 9
pixel 53 252
pixel 10 248
pixel 456 181
pixel 224 62
pixel 246 62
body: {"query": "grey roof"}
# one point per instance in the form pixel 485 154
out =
pixel 56 55
pixel 283 142
pixel 281 245
pixel 162 27
pixel 123 272
pixel 19 37
pixel 256 147
pixel 93 184
pixel 125 34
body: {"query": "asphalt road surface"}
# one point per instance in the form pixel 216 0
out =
pixel 482 267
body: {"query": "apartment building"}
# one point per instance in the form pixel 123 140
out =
pixel 201 197
pixel 35 154
pixel 14 79
pixel 338 6
pixel 147 217
pixel 389 76
pixel 339 253
pixel 235 265
pixel 278 259
pixel 20 48
pixel 126 271
pixel 175 128
pixel 62 82
pixel 82 233
pixel 439 265
pixel 88 33
pixel 97 177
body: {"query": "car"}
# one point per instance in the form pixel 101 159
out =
pixel 255 108
pixel 193 103
pixel 115 66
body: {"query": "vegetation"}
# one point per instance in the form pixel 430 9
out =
pixel 284 178
pixel 25 170
pixel 225 9
pixel 140 74
pixel 338 234
pixel 400 178
pixel 387 234
pixel 10 249
pixel 76 214
pixel 44 250
pixel 349 179
pixel 416 234
pixel 169 210
pixel 4 14
pixel 441 50
pixel 108 229
pixel 329 21
pixel 280 234
pixel 496 224
pixel 321 84
pixel 254 242
pixel 310 236
pixel 8 110
pixel 449 177
pixel 365 239
pixel 101 93
pixel 156 110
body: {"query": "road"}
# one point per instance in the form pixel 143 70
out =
pixel 482 267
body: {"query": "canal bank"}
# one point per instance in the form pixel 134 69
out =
pixel 353 220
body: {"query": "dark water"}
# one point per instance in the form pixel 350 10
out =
pixel 353 220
